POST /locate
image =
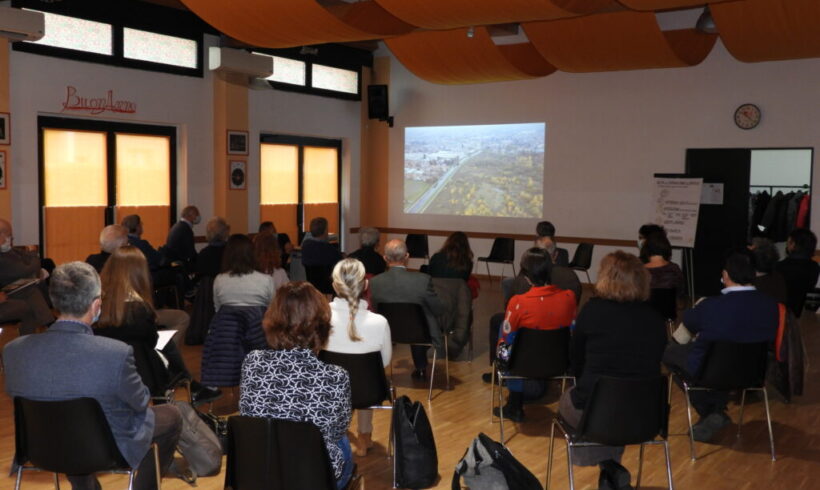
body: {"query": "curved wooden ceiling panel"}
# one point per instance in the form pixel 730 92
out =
pixel 616 41
pixel 768 30
pixel 664 4
pixel 287 23
pixel 448 14
pixel 450 57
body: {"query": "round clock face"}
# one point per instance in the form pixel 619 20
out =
pixel 747 116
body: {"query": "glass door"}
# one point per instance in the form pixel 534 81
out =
pixel 93 173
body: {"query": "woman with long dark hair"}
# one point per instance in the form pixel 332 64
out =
pixel 240 283
pixel 454 260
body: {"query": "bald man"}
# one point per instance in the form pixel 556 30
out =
pixel 26 305
pixel 398 285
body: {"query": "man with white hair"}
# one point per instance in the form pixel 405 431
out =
pixel 69 361
pixel 112 237
pixel 398 285
pixel 373 262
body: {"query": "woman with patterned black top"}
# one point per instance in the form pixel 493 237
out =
pixel 289 382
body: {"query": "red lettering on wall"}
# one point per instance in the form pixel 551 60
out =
pixel 98 105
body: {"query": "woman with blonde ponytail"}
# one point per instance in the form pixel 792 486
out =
pixel 355 330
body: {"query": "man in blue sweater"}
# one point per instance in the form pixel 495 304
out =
pixel 740 314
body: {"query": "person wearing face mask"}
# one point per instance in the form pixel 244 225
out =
pixel 647 230
pixel 27 304
pixel 68 362
pixel 180 242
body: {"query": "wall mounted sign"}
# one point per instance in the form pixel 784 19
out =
pixel 96 105
pixel 5 128
pixel 3 173
pixel 237 142
pixel 237 177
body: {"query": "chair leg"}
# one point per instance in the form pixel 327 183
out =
pixel 549 455
pixel 668 464
pixel 501 409
pixel 446 365
pixel 689 417
pixel 640 468
pixel 390 448
pixel 432 375
pixel 569 466
pixel 57 481
pixel 492 395
pixel 563 384
pixel 19 477
pixel 740 418
pixel 157 469
pixel 769 422
pixel 488 273
pixel 669 390
pixel 589 281
pixel 131 473
pixel 394 461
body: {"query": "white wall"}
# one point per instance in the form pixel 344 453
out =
pixel 38 87
pixel 781 167
pixel 607 133
pixel 279 112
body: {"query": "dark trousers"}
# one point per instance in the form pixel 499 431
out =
pixel 167 427
pixel 706 402
pixel 419 353
pixel 495 324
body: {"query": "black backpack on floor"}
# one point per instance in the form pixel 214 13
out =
pixel 416 458
pixel 488 465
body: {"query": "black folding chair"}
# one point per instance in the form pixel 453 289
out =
pixel 619 412
pixel 730 366
pixel 272 454
pixel 408 325
pixel 503 252
pixel 71 437
pixel 582 259
pixel 319 276
pixel 536 354
pixel 418 246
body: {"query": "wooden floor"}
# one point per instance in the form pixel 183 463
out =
pixel 459 415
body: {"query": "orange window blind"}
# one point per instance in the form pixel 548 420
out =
pixel 143 170
pixel 279 174
pixel 321 183
pixel 75 168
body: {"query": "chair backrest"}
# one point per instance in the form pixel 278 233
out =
pixel 319 276
pixel 68 436
pixel 582 258
pixel 665 302
pixel 623 411
pixel 734 365
pixel 417 246
pixel 540 353
pixel 503 249
pixel 271 454
pixel 408 323
pixel 368 384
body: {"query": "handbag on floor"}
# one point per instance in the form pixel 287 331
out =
pixel 416 458
pixel 198 443
pixel 487 465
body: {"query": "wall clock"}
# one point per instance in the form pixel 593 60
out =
pixel 747 116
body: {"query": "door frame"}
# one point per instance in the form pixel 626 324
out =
pixel 110 128
pixel 300 142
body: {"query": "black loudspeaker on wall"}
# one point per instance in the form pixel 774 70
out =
pixel 377 105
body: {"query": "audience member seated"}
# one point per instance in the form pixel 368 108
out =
pixel 648 229
pixel 355 330
pixel 290 383
pixel 798 268
pixel 133 223
pixel 454 260
pixel 317 250
pixel 374 263
pixel 767 279
pixel 240 284
pixel 543 307
pixel 398 285
pixel 112 237
pixel 268 258
pixel 27 304
pixel 285 244
pixel 209 259
pixel 739 314
pixel 656 254
pixel 562 276
pixel 68 361
pixel 545 238
pixel 180 243
pixel 128 315
pixel 616 334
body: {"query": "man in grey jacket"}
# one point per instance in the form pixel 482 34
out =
pixel 68 362
pixel 398 285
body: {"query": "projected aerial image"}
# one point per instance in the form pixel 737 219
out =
pixel 487 170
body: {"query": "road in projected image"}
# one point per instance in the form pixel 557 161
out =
pixel 486 170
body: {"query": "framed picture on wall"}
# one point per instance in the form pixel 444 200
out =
pixel 237 176
pixel 5 128
pixel 3 173
pixel 237 142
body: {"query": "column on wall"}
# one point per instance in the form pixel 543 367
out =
pixel 5 105
pixel 230 114
pixel 374 193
